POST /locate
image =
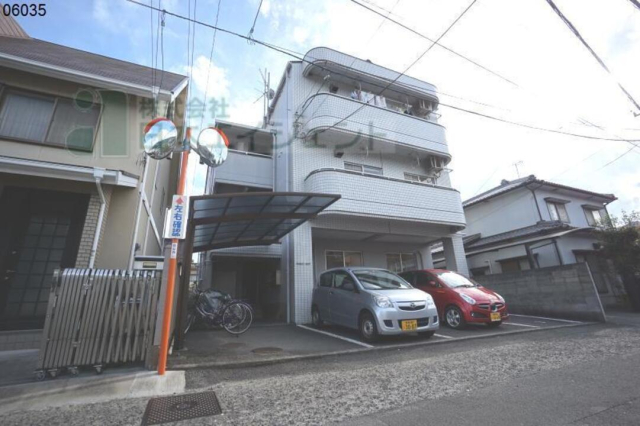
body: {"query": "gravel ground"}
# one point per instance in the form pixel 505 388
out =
pixel 332 390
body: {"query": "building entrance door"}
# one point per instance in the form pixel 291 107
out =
pixel 39 232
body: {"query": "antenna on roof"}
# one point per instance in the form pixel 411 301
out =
pixel 516 164
pixel 267 94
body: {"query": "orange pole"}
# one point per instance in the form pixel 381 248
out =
pixel 171 279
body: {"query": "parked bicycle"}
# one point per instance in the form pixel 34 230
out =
pixel 215 309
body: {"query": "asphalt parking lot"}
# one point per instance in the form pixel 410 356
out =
pixel 520 323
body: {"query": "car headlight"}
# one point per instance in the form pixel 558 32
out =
pixel 430 303
pixel 383 301
pixel 499 297
pixel 470 300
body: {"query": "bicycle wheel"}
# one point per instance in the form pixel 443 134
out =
pixel 237 317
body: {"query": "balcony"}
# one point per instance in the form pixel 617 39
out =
pixel 389 128
pixel 247 169
pixel 322 61
pixel 383 197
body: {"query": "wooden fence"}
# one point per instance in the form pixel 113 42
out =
pixel 97 317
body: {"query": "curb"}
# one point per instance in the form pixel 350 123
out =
pixel 293 358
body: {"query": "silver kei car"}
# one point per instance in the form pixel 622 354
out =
pixel 373 301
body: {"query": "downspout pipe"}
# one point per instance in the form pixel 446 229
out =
pixel 98 174
pixel 136 227
pixel 533 192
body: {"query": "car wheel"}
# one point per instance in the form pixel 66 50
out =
pixel 494 324
pixel 454 318
pixel 315 317
pixel 368 328
pixel 427 334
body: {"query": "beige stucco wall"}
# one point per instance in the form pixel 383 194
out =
pixel 118 229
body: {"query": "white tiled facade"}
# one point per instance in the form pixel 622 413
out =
pixel 317 146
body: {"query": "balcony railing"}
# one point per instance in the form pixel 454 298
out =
pixel 356 120
pixel 327 60
pixel 384 197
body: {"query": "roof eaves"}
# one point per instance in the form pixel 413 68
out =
pixel 88 78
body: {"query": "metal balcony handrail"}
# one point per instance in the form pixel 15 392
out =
pixel 308 100
pixel 417 84
pixel 254 154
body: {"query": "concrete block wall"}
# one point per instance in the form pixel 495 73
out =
pixel 560 292
pixel 90 224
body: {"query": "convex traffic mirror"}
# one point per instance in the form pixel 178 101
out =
pixel 213 146
pixel 160 138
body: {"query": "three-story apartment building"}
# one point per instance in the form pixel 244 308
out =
pixel 75 187
pixel 342 125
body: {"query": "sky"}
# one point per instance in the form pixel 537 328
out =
pixel 558 84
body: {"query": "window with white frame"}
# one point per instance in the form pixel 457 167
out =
pixel 594 215
pixel 342 259
pixel 413 177
pixel 49 120
pixel 363 168
pixel 557 211
pixel 399 262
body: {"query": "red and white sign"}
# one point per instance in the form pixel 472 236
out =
pixel 177 227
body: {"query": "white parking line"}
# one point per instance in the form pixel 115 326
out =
pixel 443 336
pixel 336 336
pixel 545 318
pixel 520 325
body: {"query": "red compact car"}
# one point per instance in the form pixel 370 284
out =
pixel 459 300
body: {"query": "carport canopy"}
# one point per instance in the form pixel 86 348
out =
pixel 250 218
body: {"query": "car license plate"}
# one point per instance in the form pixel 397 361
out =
pixel 409 325
pixel 495 316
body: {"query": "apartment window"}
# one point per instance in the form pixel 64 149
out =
pixel 594 216
pixel 419 178
pixel 557 211
pixel 48 120
pixel 341 259
pixel 399 262
pixel 363 168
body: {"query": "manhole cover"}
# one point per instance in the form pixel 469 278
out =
pixel 266 351
pixel 181 407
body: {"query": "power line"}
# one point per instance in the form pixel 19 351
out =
pixel 408 68
pixel 441 45
pixel 302 59
pixel 574 30
pixel 213 43
pixel 253 27
pixel 542 129
pixel 617 158
pixel 153 68
pixel 636 3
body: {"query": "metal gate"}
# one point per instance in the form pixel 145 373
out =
pixel 97 317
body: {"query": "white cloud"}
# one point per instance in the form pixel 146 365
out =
pixel 101 11
pixel 206 77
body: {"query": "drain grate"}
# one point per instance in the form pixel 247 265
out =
pixel 181 407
